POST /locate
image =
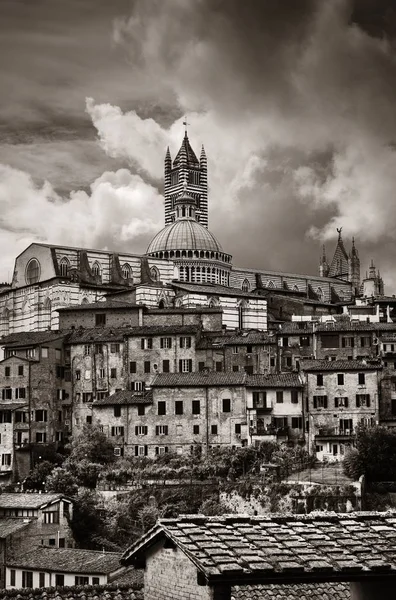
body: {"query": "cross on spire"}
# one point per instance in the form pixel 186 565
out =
pixel 185 123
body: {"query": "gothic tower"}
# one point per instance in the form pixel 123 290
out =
pixel 354 269
pixel 186 169
pixel 323 264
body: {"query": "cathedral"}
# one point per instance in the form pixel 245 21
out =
pixel 184 266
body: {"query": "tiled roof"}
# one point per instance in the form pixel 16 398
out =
pixel 101 305
pixel 68 560
pixel 10 526
pixel 339 365
pixel 12 405
pixel 124 397
pixel 279 548
pixel 299 591
pixel 283 380
pixel 185 309
pixel 344 325
pixel 96 334
pixel 26 500
pixel 200 379
pixel 103 592
pixel 162 330
pixel 297 277
pixel 217 290
pixel 30 338
pixel 251 338
pixel 298 327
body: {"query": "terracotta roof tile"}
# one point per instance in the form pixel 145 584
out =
pixel 27 500
pixel 104 592
pixel 31 338
pixel 283 380
pixel 339 365
pixel 125 397
pixel 10 526
pixel 279 547
pixel 298 591
pixel 68 560
pixel 200 379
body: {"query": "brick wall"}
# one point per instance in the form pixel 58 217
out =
pixel 170 575
pixel 128 317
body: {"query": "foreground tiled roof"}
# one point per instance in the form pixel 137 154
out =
pixel 95 334
pixel 125 397
pixel 10 526
pixel 339 365
pixel 101 305
pixel 283 380
pixel 68 560
pixel 26 500
pixel 299 591
pixel 279 548
pixel 102 592
pixel 251 338
pixel 200 379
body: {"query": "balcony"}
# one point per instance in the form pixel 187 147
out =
pixel 334 432
pixel 262 408
pixel 270 430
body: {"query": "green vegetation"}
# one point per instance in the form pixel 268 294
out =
pixel 374 455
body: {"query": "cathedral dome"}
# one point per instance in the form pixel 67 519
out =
pixel 184 234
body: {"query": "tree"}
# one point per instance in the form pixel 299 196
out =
pixel 61 481
pixel 374 455
pixel 93 446
pixel 37 478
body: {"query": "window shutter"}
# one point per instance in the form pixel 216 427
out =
pixel 136 430
pixel 156 430
pixel 189 342
pixel 166 449
pixel 150 343
pixel 142 343
pixel 162 342
pixel 136 450
pixel 368 400
pixel 346 402
pixel 166 429
pixel 357 401
pixel 336 402
pixel 190 365
pixel 180 365
pixel 343 342
pixel 315 402
pixel 145 450
pixel 324 401
pixel 156 449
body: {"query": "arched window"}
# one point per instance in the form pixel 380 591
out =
pixel 319 293
pixel 245 286
pixel 85 301
pixel 64 267
pixel 32 271
pixel 161 303
pixel 126 271
pixel 154 274
pixel 270 284
pixel 97 270
pixel 241 314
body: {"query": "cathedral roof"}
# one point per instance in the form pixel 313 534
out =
pixel 339 264
pixel 184 234
pixel 186 154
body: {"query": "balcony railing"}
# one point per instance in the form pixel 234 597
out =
pixel 330 432
pixel 270 430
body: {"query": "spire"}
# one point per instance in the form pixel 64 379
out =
pixel 323 264
pixel 339 264
pixel 168 154
pixel 372 270
pixel 186 154
pixel 202 157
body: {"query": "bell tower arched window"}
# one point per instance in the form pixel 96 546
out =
pixel 64 267
pixel 97 270
pixel 245 285
pixel 126 271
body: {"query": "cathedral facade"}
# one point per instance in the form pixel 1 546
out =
pixel 184 266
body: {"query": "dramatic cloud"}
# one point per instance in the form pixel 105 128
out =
pixel 119 208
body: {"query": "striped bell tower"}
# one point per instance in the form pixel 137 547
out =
pixel 189 175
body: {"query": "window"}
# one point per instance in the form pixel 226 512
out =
pixel 5 416
pixel 361 378
pixel 141 450
pixel 161 407
pixel 304 340
pixel 101 395
pixel 165 366
pixel 98 348
pixel 20 393
pixel 87 350
pixel 146 343
pixel 296 422
pixel 294 396
pixel 6 460
pixel 59 580
pixel 226 405
pixel 138 386
pixel 102 373
pixel 279 397
pixel 81 580
pixel 235 368
pixel 141 410
pixel 32 275
pixel 95 580
pixel 179 407
pixel 27 579
pixel 363 400
pixel 249 349
pixel 113 373
pixel 166 342
pixel 196 407
pixel 41 437
pixel 51 516
pixel 340 379
pixel 319 380
pixel 341 402
pixel 161 430
pixel 249 369
pixel 185 365
pixel 235 349
pixel 41 416
pixel 100 319
pixel 213 430
pixel 87 397
pixel 285 342
pixel 219 366
pixel 117 411
pixel 147 366
pixel 7 393
pixel 272 361
pixel 185 342
pixel 346 426
pixel 20 370
pixel 365 342
pixel 97 271
pixel 320 401
pixel 237 428
pixel 12 577
pixel 21 417
pixel 7 371
pixel 201 366
pixel 114 348
pixel 196 429
pixel 330 341
pixel 132 366
pixel 117 431
pixel 141 429
pixel 64 266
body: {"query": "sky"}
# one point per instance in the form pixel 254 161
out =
pixel 294 102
